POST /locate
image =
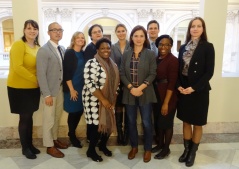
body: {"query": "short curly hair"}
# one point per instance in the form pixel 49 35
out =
pixel 162 37
pixel 102 40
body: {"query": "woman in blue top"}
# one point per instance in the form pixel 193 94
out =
pixel 73 82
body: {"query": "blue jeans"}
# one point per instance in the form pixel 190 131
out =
pixel 145 112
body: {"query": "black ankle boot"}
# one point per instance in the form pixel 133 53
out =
pixel 94 156
pixel 192 155
pixel 187 146
pixel 28 153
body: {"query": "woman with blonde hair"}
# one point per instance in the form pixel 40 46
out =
pixel 73 82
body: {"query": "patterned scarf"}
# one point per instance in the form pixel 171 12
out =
pixel 187 55
pixel 107 122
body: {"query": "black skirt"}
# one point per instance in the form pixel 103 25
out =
pixel 193 108
pixel 23 100
pixel 165 122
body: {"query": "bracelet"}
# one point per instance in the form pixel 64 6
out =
pixel 131 87
pixel 146 82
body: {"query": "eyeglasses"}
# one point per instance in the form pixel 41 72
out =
pixel 56 30
pixel 164 45
pixel 95 32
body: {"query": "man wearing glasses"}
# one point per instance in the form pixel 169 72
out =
pixel 49 75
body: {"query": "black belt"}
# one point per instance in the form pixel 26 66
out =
pixel 162 81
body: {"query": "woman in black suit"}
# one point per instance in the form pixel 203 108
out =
pixel 196 67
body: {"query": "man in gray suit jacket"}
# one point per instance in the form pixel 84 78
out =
pixel 49 75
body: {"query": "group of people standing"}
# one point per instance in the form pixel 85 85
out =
pixel 108 83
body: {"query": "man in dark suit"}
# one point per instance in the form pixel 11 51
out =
pixel 153 31
pixel 49 75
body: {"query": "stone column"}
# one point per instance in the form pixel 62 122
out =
pixel 22 12
pixel 215 15
pixel 1 38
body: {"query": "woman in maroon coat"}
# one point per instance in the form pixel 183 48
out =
pixel 167 74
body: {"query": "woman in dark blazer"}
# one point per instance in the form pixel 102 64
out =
pixel 196 67
pixel 117 53
pixel 137 72
pixel 73 82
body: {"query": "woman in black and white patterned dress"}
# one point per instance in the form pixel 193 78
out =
pixel 99 96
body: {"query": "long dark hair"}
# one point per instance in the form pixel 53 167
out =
pixel 137 28
pixel 203 36
pixel 34 24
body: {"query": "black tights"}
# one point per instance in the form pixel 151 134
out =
pixel 165 137
pixel 25 129
pixel 94 136
pixel 73 121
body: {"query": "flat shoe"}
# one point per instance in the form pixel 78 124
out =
pixel 162 154
pixel 54 152
pixel 156 149
pixel 75 142
pixel 29 154
pixel 35 150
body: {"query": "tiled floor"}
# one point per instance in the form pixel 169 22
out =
pixel 212 154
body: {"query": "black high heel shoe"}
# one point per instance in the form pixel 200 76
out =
pixel 94 156
pixel 106 151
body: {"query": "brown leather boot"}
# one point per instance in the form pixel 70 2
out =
pixel 147 156
pixel 132 153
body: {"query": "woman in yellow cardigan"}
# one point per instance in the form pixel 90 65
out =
pixel 22 85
